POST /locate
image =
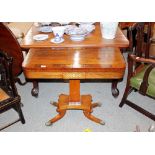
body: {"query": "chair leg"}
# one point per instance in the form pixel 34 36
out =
pixel 21 115
pixel 17 107
pixel 126 93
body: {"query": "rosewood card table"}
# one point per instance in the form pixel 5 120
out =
pixel 74 64
pixel 93 40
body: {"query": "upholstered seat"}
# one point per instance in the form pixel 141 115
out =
pixel 136 81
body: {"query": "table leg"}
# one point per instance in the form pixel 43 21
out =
pixel 114 89
pixel 63 100
pixel 35 89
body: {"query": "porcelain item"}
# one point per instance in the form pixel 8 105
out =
pixel 57 41
pixel 88 27
pixel 40 37
pixel 77 37
pixel 109 29
pixel 45 29
pixel 59 31
pixel 77 33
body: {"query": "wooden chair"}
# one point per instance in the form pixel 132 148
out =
pixel 10 45
pixel 9 97
pixel 141 79
pixel 141 70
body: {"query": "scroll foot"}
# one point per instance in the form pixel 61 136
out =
pixel 49 123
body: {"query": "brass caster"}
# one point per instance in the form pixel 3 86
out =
pixel 99 104
pixel 102 123
pixel 53 103
pixel 49 123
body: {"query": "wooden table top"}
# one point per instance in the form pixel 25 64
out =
pixel 103 63
pixel 94 39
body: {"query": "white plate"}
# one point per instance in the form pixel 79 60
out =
pixel 45 29
pixel 77 38
pixel 57 42
pixel 40 37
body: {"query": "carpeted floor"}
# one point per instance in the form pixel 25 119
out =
pixel 37 111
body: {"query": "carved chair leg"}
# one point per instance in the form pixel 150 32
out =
pixel 21 115
pixel 17 108
pixel 114 89
pixel 126 93
pixel 35 89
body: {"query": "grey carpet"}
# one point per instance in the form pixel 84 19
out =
pixel 38 110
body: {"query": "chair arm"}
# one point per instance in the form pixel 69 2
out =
pixel 141 59
pixel 144 85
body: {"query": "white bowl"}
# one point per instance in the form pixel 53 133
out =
pixel 58 30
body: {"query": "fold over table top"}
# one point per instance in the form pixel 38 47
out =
pixel 102 63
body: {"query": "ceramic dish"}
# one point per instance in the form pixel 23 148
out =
pixel 45 29
pixel 69 28
pixel 88 27
pixel 77 31
pixel 57 42
pixel 77 37
pixel 40 37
